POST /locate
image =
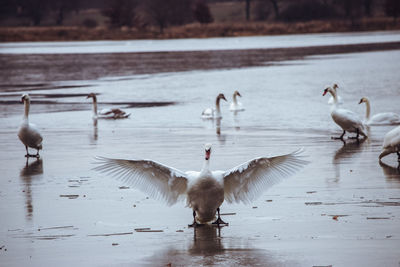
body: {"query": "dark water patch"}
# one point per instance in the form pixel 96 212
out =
pixel 113 234
pixel 18 102
pixel 377 203
pixel 56 227
pixel 36 87
pixel 42 68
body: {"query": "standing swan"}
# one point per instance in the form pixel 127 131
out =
pixel 107 113
pixel 213 113
pixel 28 132
pixel 346 119
pixel 386 118
pixel 235 105
pixel 205 190
pixel 339 99
pixel 391 144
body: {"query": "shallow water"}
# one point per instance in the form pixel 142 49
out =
pixel 343 209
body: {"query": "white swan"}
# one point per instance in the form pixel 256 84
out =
pixel 213 113
pixel 385 118
pixel 235 105
pixel 391 144
pixel 205 190
pixel 107 113
pixel 346 119
pixel 28 132
pixel 339 99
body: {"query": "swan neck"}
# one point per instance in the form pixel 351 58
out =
pixel 217 105
pixel 94 106
pixel 206 166
pixel 26 108
pixel 368 110
pixel 234 98
pixel 333 93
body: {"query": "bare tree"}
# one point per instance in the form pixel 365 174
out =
pixel 351 8
pixel 392 8
pixel 35 10
pixel 62 7
pixel 202 12
pixel 121 12
pixel 248 2
pixel 8 8
pixel 169 12
pixel 275 6
pixel 368 7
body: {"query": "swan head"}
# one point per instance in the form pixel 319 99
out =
pixel 221 96
pixel 328 89
pixel 25 97
pixel 91 95
pixel 237 93
pixel 363 100
pixel 207 149
pixel 335 86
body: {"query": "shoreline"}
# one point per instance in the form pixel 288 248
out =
pixel 78 33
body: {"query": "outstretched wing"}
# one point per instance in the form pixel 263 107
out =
pixel 247 181
pixel 155 179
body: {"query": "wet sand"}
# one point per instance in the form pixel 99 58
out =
pixel 343 209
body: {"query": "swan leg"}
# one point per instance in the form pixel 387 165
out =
pixel 341 137
pixel 357 136
pixel 219 220
pixel 195 224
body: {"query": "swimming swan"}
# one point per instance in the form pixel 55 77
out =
pixel 391 144
pixel 235 105
pixel 213 113
pixel 385 118
pixel 28 132
pixel 346 119
pixel 107 113
pixel 205 190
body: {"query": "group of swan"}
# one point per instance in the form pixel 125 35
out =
pixel 30 136
pixel 215 113
pixel 351 122
pixel 205 190
pixel 346 119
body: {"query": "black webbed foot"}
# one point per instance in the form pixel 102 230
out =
pixel 195 224
pixel 219 222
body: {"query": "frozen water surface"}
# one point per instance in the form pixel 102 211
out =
pixel 343 209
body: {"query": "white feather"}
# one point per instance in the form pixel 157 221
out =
pixel 391 143
pixel 28 133
pixel 205 190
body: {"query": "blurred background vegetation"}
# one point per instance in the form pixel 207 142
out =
pixel 121 19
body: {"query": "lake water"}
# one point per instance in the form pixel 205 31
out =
pixel 343 209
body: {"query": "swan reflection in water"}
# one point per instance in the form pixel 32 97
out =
pixel 345 154
pixel 210 248
pixel 221 137
pixel 391 173
pixel 28 172
pixel 95 130
pixel 206 240
pixel 236 121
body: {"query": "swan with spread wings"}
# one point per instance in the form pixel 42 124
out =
pixel 204 190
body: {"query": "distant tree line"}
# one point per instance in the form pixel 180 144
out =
pixel 165 13
pixel 306 10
